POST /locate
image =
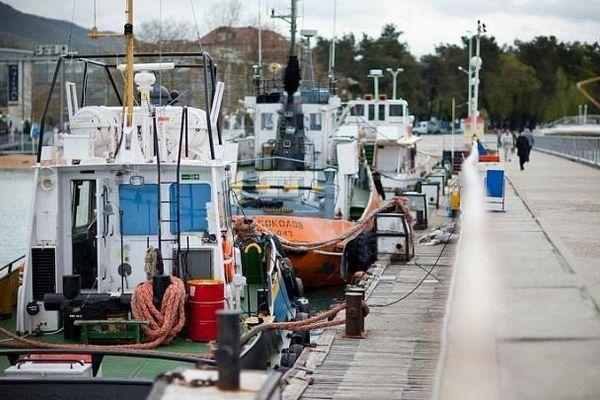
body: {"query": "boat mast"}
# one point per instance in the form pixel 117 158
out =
pixel 290 19
pixel 129 48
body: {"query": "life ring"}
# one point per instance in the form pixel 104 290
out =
pixel 228 262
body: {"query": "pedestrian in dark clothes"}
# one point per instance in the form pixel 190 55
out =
pixel 523 149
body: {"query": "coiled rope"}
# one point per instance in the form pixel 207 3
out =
pixel 164 324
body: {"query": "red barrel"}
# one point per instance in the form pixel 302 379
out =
pixel 207 296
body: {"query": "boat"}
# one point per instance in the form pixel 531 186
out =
pixel 131 243
pixel 311 188
pixel 384 127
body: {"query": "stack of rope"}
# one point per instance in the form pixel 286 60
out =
pixel 164 324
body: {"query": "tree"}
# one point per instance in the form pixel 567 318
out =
pixel 224 13
pixel 510 92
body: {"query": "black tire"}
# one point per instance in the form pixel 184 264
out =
pixel 288 360
pixel 302 305
pixel 299 288
pixel 296 349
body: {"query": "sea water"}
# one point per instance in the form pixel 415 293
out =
pixel 16 191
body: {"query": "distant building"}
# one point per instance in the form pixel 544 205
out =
pixel 235 49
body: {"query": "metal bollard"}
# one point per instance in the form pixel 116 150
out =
pixel 228 352
pixel 354 315
pixel 355 289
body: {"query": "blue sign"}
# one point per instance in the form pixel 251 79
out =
pixel 13 83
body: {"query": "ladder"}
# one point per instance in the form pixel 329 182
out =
pixel 167 184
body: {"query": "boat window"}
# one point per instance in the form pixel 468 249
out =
pixel 193 198
pixel 316 121
pixel 83 204
pixel 266 121
pixel 140 209
pixel 382 112
pixel 371 112
pixel 358 109
pixel 395 110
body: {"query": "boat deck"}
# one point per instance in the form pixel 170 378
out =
pixel 125 367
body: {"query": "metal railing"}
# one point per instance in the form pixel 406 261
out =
pixel 589 119
pixel 9 266
pixel 585 149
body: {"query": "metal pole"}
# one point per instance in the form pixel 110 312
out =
pixel 452 141
pixel 45 111
pixel 259 37
pixel 469 104
pixel 293 29
pixel 228 352
pixel 332 51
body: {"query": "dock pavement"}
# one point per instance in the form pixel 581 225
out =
pixel 546 262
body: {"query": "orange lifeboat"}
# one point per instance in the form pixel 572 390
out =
pixel 315 267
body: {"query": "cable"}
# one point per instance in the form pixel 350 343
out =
pixel 196 26
pixel 71 29
pixel 418 285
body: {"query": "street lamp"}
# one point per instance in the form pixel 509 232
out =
pixel 394 73
pixel 463 70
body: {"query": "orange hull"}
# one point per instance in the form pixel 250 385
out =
pixel 315 267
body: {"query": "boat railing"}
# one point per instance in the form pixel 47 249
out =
pixel 10 264
pixel 109 62
pixel 15 354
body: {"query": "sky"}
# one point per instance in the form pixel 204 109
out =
pixel 425 23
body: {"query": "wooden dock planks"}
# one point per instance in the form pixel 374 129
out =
pixel 398 358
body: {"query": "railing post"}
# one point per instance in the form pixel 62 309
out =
pixel 354 315
pixel 228 352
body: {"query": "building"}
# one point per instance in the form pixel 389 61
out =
pixel 235 49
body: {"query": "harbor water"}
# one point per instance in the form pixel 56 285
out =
pixel 15 196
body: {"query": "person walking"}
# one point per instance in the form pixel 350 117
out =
pixel 506 141
pixel 529 136
pixel 523 149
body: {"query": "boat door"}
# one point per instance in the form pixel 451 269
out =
pixel 84 226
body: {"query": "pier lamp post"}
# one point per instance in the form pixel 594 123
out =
pixel 394 73
pixel 468 72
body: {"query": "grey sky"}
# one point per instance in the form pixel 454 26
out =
pixel 426 23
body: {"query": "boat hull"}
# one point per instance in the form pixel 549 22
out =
pixel 320 267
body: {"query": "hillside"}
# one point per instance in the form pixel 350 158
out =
pixel 21 30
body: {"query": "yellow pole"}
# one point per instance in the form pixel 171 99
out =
pixel 129 85
pixel 129 47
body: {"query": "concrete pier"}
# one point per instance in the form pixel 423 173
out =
pixel 547 264
pixel 544 307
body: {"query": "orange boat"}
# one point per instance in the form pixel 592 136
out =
pixel 320 267
pixel 314 245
